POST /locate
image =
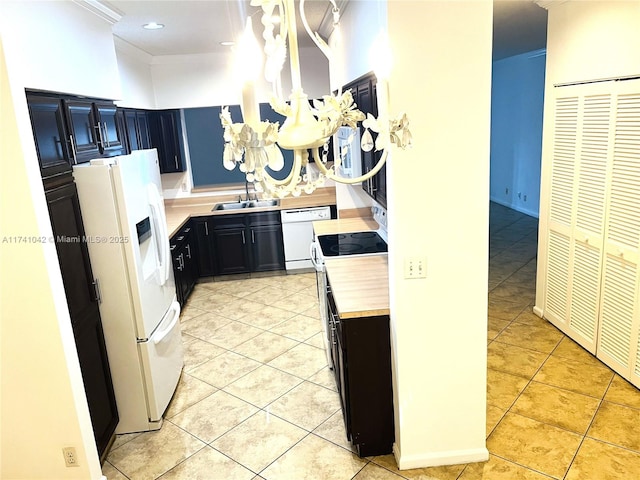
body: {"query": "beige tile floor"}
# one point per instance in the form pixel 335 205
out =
pixel 256 399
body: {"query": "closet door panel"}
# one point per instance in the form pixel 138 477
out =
pixel 619 318
pixel 563 175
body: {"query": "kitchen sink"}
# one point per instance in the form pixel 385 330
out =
pixel 245 204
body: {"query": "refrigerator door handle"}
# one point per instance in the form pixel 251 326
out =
pixel 162 237
pixel 161 334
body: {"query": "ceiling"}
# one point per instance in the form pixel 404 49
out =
pixel 198 26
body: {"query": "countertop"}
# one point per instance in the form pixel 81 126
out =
pixel 178 211
pixel 360 284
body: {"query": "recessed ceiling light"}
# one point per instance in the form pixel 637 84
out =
pixel 227 44
pixel 153 26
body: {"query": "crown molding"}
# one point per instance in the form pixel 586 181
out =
pixel 101 10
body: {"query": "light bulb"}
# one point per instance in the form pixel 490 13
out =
pixel 248 56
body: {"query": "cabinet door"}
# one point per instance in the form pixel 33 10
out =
pixel 144 140
pixel 267 249
pixel 190 261
pixel 83 127
pixel 380 179
pixel 110 131
pixel 231 250
pixel 77 277
pixel 204 247
pixel 49 134
pixel 165 137
pixel 131 127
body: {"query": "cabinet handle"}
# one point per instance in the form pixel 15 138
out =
pixel 96 290
pixel 243 239
pixel 175 159
pixel 73 150
pixel 180 262
pixel 253 238
pixel 187 230
pixel 100 141
pixel 106 134
pixel 206 229
pixel 188 251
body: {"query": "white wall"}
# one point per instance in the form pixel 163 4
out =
pixel 136 83
pixel 56 46
pixel 438 210
pixel 517 99
pixel 204 80
pixel 43 404
pixel 592 40
pixel 43 48
pixel 585 41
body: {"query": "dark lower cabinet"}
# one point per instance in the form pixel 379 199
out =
pixel 239 243
pixel 185 268
pixel 232 255
pixel 82 298
pixel 361 354
pixel 205 260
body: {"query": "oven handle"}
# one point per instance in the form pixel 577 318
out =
pixel 313 253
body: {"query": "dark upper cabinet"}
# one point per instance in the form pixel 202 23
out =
pixel 50 135
pixel 110 131
pixel 82 299
pixel 136 127
pixel 94 128
pixel 83 129
pixel 164 129
pixel 365 96
pixel 144 139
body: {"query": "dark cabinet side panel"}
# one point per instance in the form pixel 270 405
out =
pixel 77 277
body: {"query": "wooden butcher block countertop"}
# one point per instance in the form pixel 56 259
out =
pixel 179 210
pixel 360 285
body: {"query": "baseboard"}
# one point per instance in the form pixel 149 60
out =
pixel 538 311
pixel 517 208
pixel 454 457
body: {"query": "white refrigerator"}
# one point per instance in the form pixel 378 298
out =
pixel 126 233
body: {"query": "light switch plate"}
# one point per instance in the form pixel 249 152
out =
pixel 415 267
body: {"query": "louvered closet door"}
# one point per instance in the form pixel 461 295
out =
pixel 577 209
pixel 619 318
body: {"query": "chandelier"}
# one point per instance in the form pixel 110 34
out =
pixel 254 145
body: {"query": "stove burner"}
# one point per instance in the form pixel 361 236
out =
pixel 356 243
pixel 363 235
pixel 344 248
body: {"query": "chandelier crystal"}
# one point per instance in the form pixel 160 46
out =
pixel 254 145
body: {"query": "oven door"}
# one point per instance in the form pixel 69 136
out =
pixel 321 284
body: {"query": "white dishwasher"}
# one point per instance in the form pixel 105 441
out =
pixel 297 233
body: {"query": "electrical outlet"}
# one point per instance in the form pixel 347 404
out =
pixel 184 186
pixel 506 191
pixel 415 267
pixel 70 456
